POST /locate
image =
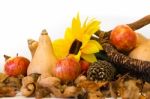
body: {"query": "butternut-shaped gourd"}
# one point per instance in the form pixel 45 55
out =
pixel 142 52
pixel 44 59
pixel 141 39
pixel 32 45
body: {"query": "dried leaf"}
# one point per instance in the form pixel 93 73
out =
pixel 7 92
pixel 130 90
pixel 95 95
pixel 142 97
pixel 146 87
pixel 3 77
pixel 91 86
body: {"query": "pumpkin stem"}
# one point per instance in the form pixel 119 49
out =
pixel 6 57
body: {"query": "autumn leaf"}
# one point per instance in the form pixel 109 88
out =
pixel 91 86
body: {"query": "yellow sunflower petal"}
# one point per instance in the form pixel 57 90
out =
pixel 91 47
pixel 61 48
pixel 89 57
pixel 88 30
pixel 76 25
pixel 92 22
pixel 85 40
pixel 92 27
pixel 85 22
pixel 69 35
pixel 77 57
pixel 97 44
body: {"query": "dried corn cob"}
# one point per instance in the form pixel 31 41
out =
pixel 142 68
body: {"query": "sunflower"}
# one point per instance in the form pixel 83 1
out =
pixel 82 34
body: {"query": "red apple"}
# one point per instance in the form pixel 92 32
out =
pixel 67 69
pixel 16 66
pixel 84 66
pixel 123 38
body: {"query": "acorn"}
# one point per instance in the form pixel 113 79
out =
pixel 101 71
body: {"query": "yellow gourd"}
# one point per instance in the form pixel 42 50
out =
pixel 44 59
pixel 142 52
pixel 140 39
pixel 32 45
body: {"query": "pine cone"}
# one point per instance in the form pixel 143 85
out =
pixel 101 71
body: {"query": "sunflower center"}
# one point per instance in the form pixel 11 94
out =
pixel 75 47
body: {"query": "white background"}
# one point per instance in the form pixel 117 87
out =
pixel 23 19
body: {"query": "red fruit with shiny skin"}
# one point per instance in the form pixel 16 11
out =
pixel 67 69
pixel 123 38
pixel 84 65
pixel 16 66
